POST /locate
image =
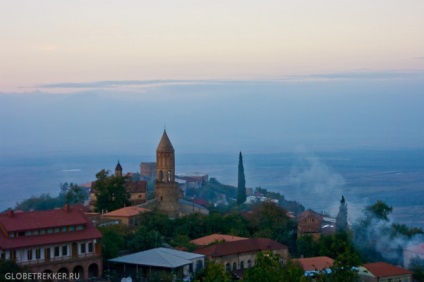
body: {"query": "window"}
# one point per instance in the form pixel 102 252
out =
pixel 56 251
pixel 234 266
pixel 50 230
pixel 43 231
pixel 35 232
pixel 82 248
pixel 80 227
pixel 242 265
pixel 90 247
pixel 57 230
pixel 29 254
pixel 21 234
pixel 12 234
pixel 28 233
pixel 37 253
pixel 64 250
pixel 72 228
pixel 249 263
pixel 64 229
pixel 228 267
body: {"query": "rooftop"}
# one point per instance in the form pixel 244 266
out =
pixel 159 257
pixel 127 211
pixel 165 144
pixel 315 263
pixel 207 240
pixel 241 246
pixel 384 269
pixel 42 220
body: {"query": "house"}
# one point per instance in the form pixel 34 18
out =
pixel 143 264
pixel 313 265
pixel 54 241
pixel 215 238
pixel 312 223
pixel 241 254
pixel 385 272
pixel 412 252
pixel 129 216
pixel 137 190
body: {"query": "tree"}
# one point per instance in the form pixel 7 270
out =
pixel 241 184
pixel 380 210
pixel 214 272
pixel 75 194
pixel 267 268
pixel 10 267
pixel 341 219
pixel 307 246
pixel 110 191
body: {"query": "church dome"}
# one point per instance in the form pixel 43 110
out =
pixel 165 144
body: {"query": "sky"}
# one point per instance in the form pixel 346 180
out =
pixel 260 76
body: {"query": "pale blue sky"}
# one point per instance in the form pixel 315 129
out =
pixel 258 76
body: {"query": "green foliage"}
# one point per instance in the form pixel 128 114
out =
pixel 402 229
pixel 213 272
pixel 269 268
pixel 144 239
pixel 110 191
pixel 416 265
pixel 241 184
pixel 42 202
pixel 73 193
pixel 307 246
pixel 271 220
pixel 113 240
pixel 8 266
pixel 380 210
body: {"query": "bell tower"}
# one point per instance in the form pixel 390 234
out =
pixel 166 189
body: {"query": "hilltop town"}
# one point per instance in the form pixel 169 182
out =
pixel 156 225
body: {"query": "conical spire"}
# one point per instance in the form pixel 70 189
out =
pixel 165 144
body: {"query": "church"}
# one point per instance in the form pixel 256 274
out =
pixel 167 197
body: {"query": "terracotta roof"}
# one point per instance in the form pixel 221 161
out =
pixel 136 186
pixel 384 269
pixel 127 211
pixel 40 220
pixel 241 246
pixel 310 212
pixel 315 263
pixel 165 144
pixel 207 240
pixel 417 249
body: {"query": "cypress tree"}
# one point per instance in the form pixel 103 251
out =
pixel 241 185
pixel 341 219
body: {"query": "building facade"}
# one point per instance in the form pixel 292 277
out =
pixel 241 254
pixel 166 188
pixel 54 241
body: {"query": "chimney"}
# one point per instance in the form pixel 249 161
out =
pixel 67 208
pixel 10 213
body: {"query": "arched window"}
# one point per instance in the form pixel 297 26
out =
pixel 161 175
pixel 249 263
pixel 169 176
pixel 242 265
pixel 228 266
pixel 234 266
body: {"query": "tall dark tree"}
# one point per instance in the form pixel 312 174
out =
pixel 341 219
pixel 110 191
pixel 241 186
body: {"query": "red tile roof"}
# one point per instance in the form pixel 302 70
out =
pixel 241 246
pixel 207 240
pixel 40 220
pixel 417 249
pixel 384 269
pixel 315 263
pixel 127 211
